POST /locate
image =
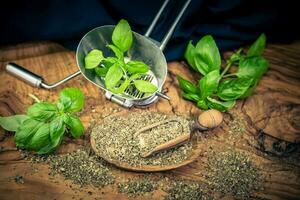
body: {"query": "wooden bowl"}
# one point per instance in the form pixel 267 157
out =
pixel 195 153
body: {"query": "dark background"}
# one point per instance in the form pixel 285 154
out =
pixel 232 23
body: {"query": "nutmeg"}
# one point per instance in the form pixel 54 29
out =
pixel 210 118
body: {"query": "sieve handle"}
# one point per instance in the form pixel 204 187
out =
pixel 173 26
pixel 156 18
pixel 24 74
pixel 34 79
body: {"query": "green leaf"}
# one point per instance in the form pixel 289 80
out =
pixel 117 51
pixel 190 96
pixel 109 61
pixel 202 104
pixel 232 89
pixel 207 57
pixel 189 55
pixel 145 86
pixel 219 105
pixel 25 132
pixel 258 46
pixel 12 123
pixel 123 85
pixel 235 57
pixel 186 86
pixel 122 35
pixel 251 89
pixel 253 67
pixel 101 71
pixel 136 67
pixel 105 65
pixel 72 99
pixel 93 59
pixel 113 76
pixel 135 76
pixel 209 83
pixel 57 129
pixel 42 111
pixel 40 138
pixel 74 124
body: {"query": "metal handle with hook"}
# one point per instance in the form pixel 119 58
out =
pixel 37 81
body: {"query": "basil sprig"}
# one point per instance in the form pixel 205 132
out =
pixel 118 73
pixel 43 127
pixel 220 90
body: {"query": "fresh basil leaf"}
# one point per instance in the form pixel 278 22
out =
pixel 253 67
pixel 93 59
pixel 51 146
pixel 12 123
pixel 40 138
pixel 145 86
pixel 57 129
pixel 109 61
pixel 232 89
pixel 202 104
pixel 113 76
pixel 189 55
pixel 72 99
pixel 251 89
pixel 209 83
pixel 105 65
pixel 74 124
pixel 207 57
pixel 135 76
pixel 190 96
pixel 258 46
pixel 235 57
pixel 101 71
pixel 219 105
pixel 122 35
pixel 122 86
pixel 25 132
pixel 117 51
pixel 186 85
pixel 136 67
pixel 42 111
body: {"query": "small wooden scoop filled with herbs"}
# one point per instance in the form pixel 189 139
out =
pixel 206 120
pixel 120 72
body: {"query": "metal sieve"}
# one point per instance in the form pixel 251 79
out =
pixel 143 49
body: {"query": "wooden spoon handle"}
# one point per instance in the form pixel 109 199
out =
pixel 167 145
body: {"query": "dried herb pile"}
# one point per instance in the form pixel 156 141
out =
pixel 138 186
pixel 237 125
pixel 116 139
pixel 182 190
pixel 81 168
pixel 232 172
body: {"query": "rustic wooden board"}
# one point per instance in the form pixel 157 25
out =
pixel 271 114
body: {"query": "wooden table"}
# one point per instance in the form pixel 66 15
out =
pixel 271 114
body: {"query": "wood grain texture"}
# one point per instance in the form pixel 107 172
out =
pixel 271 116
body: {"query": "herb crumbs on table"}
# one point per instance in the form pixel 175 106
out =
pixel 237 125
pixel 138 186
pixel 82 168
pixel 184 190
pixel 232 172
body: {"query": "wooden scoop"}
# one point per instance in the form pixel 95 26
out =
pixel 207 120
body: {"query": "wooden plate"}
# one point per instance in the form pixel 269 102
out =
pixel 195 153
